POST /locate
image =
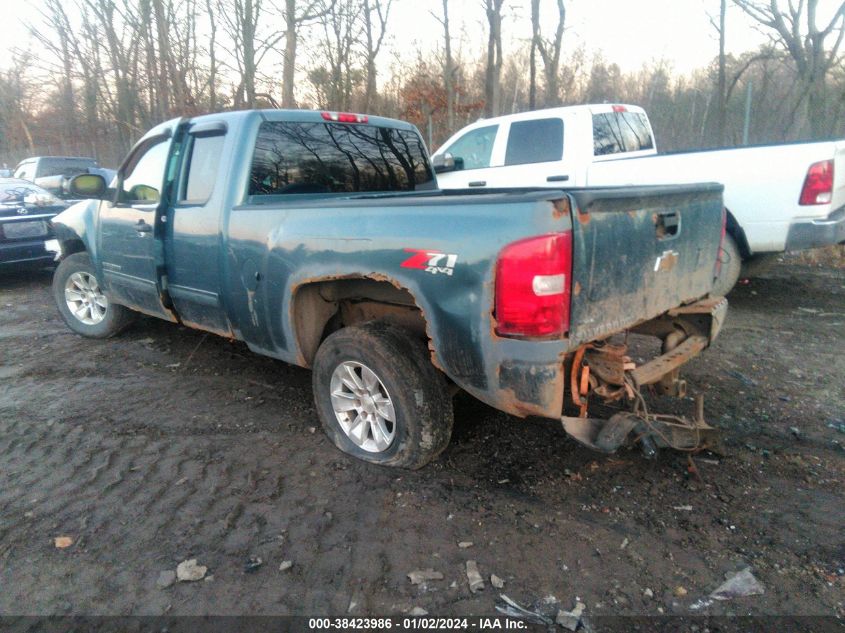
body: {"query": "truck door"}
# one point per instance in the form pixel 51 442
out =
pixel 192 244
pixel 130 227
pixel 535 156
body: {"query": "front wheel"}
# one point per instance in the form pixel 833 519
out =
pixel 81 302
pixel 379 398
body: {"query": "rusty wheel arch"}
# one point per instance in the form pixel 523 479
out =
pixel 321 306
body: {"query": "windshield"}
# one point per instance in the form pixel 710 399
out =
pixel 12 193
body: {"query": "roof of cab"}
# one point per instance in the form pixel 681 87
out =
pixel 594 108
pixel 305 116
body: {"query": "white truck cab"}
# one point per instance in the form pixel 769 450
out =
pixel 544 147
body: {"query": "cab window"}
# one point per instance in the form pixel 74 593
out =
pixel 200 172
pixel 475 147
pixel 144 176
pixel 536 141
pixel 618 132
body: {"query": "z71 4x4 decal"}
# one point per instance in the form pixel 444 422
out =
pixel 433 262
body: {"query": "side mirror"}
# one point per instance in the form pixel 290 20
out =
pixel 143 193
pixel 446 162
pixel 87 186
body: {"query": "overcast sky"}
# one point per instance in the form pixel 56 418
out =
pixel 629 32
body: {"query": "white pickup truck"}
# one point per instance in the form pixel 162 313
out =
pixel 779 198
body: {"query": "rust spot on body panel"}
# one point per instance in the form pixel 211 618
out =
pixel 562 208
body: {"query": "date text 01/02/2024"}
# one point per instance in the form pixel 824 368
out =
pixel 417 623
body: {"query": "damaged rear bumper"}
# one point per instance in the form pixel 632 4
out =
pixel 607 371
pixel 539 386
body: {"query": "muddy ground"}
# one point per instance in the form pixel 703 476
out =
pixel 165 444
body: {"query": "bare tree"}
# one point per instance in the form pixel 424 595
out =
pixel 493 71
pixel 722 81
pixel 212 56
pixel 341 32
pixel 242 20
pixel 532 59
pixel 297 14
pixel 795 28
pixel 449 67
pixel 374 33
pixel 549 50
pixel 15 104
pixel 721 95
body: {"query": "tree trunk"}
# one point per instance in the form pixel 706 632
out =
pixel 448 71
pixel 248 24
pixel 212 55
pixel 492 79
pixel 550 52
pixel 289 67
pixel 722 102
pixel 532 62
pixel 163 60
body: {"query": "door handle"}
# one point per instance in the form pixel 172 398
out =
pixel 559 178
pixel 143 227
pixel 667 224
pixel 478 183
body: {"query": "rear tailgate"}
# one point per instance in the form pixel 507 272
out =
pixel 640 251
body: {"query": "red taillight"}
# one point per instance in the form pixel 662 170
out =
pixel 620 108
pixel 533 286
pixel 818 185
pixel 345 117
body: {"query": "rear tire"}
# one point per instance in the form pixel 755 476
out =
pixel 730 268
pixel 366 374
pixel 81 303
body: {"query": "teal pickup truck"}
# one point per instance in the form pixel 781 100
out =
pixel 321 239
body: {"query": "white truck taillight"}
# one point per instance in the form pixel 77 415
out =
pixel 533 282
pixel 818 185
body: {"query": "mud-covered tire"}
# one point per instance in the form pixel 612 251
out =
pixel 110 318
pixel 416 390
pixel 730 268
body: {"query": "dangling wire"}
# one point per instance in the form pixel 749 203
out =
pixel 640 410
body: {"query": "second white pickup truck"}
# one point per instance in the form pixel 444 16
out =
pixel 779 198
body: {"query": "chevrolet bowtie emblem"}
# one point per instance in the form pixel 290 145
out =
pixel 666 261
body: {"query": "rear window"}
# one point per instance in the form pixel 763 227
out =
pixel 618 132
pixel 335 158
pixel 64 167
pixel 537 141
